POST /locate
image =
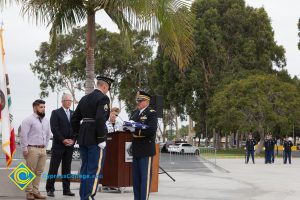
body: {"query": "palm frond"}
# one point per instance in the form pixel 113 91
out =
pixel 171 20
pixel 60 14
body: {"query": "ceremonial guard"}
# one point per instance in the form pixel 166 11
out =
pixel 143 146
pixel 93 109
pixel 273 143
pixel 250 144
pixel 287 145
pixel 268 149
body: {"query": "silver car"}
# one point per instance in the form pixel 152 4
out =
pixel 183 148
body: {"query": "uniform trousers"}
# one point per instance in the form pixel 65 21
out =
pixel 268 156
pixel 287 155
pixel 142 174
pixel 250 152
pixel 92 157
pixel 272 155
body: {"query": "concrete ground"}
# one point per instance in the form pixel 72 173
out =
pixel 231 180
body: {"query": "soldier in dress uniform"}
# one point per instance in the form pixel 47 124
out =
pixel 273 143
pixel 268 147
pixel 250 144
pixel 143 146
pixel 93 109
pixel 287 147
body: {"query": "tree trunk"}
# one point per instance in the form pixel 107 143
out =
pixel 261 141
pixel 176 126
pixel 215 139
pixel 226 140
pixel 90 53
pixel 237 139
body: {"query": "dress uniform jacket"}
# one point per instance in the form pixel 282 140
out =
pixel 93 110
pixel 143 143
pixel 250 143
pixel 287 145
pixel 268 145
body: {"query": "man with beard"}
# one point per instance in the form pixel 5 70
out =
pixel 34 138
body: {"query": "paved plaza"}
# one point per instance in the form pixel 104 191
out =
pixel 231 180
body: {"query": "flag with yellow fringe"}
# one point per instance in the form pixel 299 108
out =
pixel 6 117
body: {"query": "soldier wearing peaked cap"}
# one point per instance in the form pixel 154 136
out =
pixel 93 109
pixel 143 146
pixel 250 144
pixel 287 148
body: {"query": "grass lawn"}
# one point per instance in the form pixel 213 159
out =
pixel 234 153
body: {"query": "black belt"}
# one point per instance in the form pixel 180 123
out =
pixel 37 146
pixel 88 120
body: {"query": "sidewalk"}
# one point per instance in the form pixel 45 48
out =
pixel 242 182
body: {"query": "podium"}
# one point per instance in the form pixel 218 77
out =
pixel 116 171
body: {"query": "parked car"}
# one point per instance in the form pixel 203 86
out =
pixel 183 148
pixel 161 145
pixel 76 153
pixel 166 146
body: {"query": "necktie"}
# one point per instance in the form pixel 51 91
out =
pixel 68 114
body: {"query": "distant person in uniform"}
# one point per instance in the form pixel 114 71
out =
pixel 143 146
pixel 268 149
pixel 287 147
pixel 93 109
pixel 273 143
pixel 250 144
pixel 62 147
pixel 34 137
pixel 112 123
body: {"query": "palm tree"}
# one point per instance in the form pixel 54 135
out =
pixel 169 20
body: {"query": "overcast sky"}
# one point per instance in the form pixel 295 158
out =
pixel 23 37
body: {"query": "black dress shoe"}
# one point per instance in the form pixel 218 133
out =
pixel 68 193
pixel 50 194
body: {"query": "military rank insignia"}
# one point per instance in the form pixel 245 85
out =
pixel 152 110
pixel 143 118
pixel 106 107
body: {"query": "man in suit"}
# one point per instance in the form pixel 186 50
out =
pixel 93 109
pixel 62 146
pixel 143 146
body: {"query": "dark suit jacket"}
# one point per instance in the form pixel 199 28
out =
pixel 60 127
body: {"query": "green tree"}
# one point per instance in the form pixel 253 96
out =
pixel 230 38
pixel 259 102
pixel 66 68
pixel 170 20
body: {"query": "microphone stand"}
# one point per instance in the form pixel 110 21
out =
pixel 164 172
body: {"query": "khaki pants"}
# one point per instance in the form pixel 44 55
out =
pixel 36 160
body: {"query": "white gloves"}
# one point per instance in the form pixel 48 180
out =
pixel 131 129
pixel 102 145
